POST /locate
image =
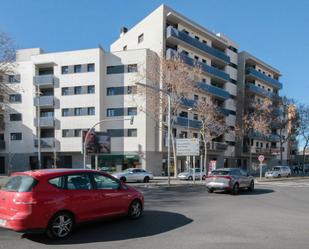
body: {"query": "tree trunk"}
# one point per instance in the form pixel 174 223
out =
pixel 174 155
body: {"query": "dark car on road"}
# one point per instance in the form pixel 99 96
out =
pixel 55 200
pixel 229 179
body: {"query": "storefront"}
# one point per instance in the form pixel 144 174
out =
pixel 116 162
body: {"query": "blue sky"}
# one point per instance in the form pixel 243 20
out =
pixel 275 31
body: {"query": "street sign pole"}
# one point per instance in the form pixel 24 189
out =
pixel 261 159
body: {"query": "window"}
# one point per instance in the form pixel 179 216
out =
pixel 65 133
pixel 91 111
pixel 14 78
pixel 90 67
pixel 16 136
pixel 132 111
pixel 65 91
pixel 20 184
pixel 115 69
pixel 204 41
pixel 78 90
pixel 65 69
pixel 183 134
pixel 183 114
pixel 77 182
pixel 57 182
pixel 77 68
pixel 15 98
pixel 233 49
pixel 184 52
pixel 195 116
pixel 204 80
pixel 233 81
pixel 77 133
pixel 90 89
pixel 195 135
pixel 197 38
pixel 125 48
pixel 132 132
pixel 132 68
pixel 195 97
pixel 185 31
pixel 65 112
pixel 104 182
pixel 196 58
pixel 110 91
pixel 131 89
pixel 77 111
pixel 110 112
pixel 257 144
pixel 204 61
pixel 15 117
pixel 140 38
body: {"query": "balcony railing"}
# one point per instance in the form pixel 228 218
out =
pixel 44 80
pixel 213 90
pixel 182 121
pixel 212 71
pixel 264 137
pixel 272 82
pixel 45 122
pixel 258 90
pixel 217 146
pixel 2 145
pixel 44 101
pixel 175 33
pixel 45 142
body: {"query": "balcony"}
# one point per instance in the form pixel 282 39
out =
pixel 45 142
pixel 2 145
pixel 182 121
pixel 213 90
pixel 219 146
pixel 260 76
pixel 265 137
pixel 172 34
pixel 211 71
pixel 260 91
pixel 45 122
pixel 44 80
pixel 44 101
pixel 188 102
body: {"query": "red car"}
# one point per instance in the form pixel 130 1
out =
pixel 55 200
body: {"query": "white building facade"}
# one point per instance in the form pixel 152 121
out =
pixel 70 91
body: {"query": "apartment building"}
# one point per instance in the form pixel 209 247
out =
pixel 167 32
pixel 61 94
pixel 257 81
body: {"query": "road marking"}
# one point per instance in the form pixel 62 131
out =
pixel 295 184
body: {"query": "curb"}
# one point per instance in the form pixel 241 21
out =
pixel 282 179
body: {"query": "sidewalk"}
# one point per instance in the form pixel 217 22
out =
pixel 292 178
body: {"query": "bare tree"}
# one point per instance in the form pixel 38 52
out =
pixel 172 76
pixel 285 120
pixel 303 113
pixel 213 123
pixel 255 122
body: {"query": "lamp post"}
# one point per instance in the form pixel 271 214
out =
pixel 188 130
pixel 97 123
pixel 168 126
pixel 38 96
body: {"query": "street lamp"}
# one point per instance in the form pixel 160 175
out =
pixel 168 126
pixel 97 123
pixel 188 131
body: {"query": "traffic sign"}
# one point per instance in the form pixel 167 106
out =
pixel 187 147
pixel 261 158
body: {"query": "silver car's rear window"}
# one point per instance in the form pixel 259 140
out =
pixel 220 172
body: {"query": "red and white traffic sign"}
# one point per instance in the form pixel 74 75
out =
pixel 261 158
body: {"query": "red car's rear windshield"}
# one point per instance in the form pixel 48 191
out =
pixel 20 183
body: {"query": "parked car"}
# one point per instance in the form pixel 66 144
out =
pixel 55 200
pixel 134 175
pixel 188 175
pixel 229 179
pixel 278 171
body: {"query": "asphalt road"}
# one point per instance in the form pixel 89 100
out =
pixel 274 216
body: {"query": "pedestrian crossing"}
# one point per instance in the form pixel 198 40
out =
pixel 291 184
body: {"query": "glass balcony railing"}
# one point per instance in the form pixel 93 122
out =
pixel 48 142
pixel 192 123
pixel 44 80
pixel 45 122
pixel 172 32
pixel 44 101
pixel 265 137
pixel 258 90
pixel 212 71
pixel 213 90
pixel 272 82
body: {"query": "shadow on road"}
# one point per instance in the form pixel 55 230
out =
pixel 257 191
pixel 152 223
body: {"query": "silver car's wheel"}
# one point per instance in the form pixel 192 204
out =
pixel 135 210
pixel 60 226
pixel 235 190
pixel 123 179
pixel 190 178
pixel 146 179
pixel 251 186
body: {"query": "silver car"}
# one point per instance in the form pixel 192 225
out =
pixel 188 175
pixel 278 171
pixel 229 179
pixel 134 175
